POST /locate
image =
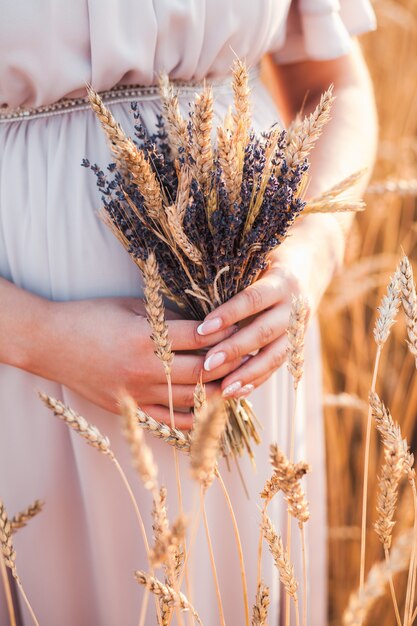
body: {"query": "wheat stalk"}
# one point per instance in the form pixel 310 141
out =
pixel 169 596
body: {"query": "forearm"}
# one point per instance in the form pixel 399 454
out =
pixel 22 318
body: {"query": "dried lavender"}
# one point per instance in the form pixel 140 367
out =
pixel 210 212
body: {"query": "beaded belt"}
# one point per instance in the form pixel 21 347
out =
pixel 118 94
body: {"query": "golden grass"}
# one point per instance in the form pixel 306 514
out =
pixel 348 316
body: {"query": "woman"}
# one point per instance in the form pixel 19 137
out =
pixel 71 320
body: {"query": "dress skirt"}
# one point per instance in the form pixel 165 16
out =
pixel 76 559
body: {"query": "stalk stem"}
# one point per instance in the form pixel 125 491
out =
pixel 179 490
pixel 22 591
pixel 212 561
pixel 303 551
pixel 141 525
pixel 365 479
pixel 239 547
pixel 7 591
pixel 391 585
pixel 260 544
pixel 409 598
pixel 291 456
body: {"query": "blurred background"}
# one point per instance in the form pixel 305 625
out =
pixel 379 236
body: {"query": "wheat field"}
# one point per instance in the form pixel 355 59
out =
pixel 348 313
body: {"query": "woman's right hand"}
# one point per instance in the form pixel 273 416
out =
pixel 102 347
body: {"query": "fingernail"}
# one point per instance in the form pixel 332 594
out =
pixel 231 389
pixel 210 326
pixel 254 352
pixel 214 360
pixel 245 358
pixel 245 391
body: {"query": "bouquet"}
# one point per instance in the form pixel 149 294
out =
pixel 210 211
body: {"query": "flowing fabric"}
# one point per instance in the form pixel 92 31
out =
pixel 76 559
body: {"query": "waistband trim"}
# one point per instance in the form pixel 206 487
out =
pixel 116 95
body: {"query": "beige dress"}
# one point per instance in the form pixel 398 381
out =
pixel 77 558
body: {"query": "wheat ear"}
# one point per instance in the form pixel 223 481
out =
pixel 402 187
pixel 167 593
pixel 9 555
pixel 21 519
pixel 303 134
pixel 175 124
pixel 205 443
pixel 242 110
pixel 282 561
pixel 409 302
pixel 388 310
pixel 260 608
pixel 172 436
pixel 201 151
pixel 129 156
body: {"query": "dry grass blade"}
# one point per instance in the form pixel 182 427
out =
pixel 260 608
pixel 360 603
pixel 280 556
pixel 141 453
pixel 169 596
pixel 156 312
pixel 172 436
pixel 205 443
pixel 304 133
pixel 387 311
pixel 21 519
pixel 296 332
pixel 89 432
pixel 409 302
pixel 129 156
pixel 200 148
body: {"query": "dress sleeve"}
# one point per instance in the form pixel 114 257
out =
pixel 322 29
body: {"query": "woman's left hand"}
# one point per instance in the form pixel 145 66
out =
pixel 297 268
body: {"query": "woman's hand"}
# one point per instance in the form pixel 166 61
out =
pixel 303 265
pixel 100 348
